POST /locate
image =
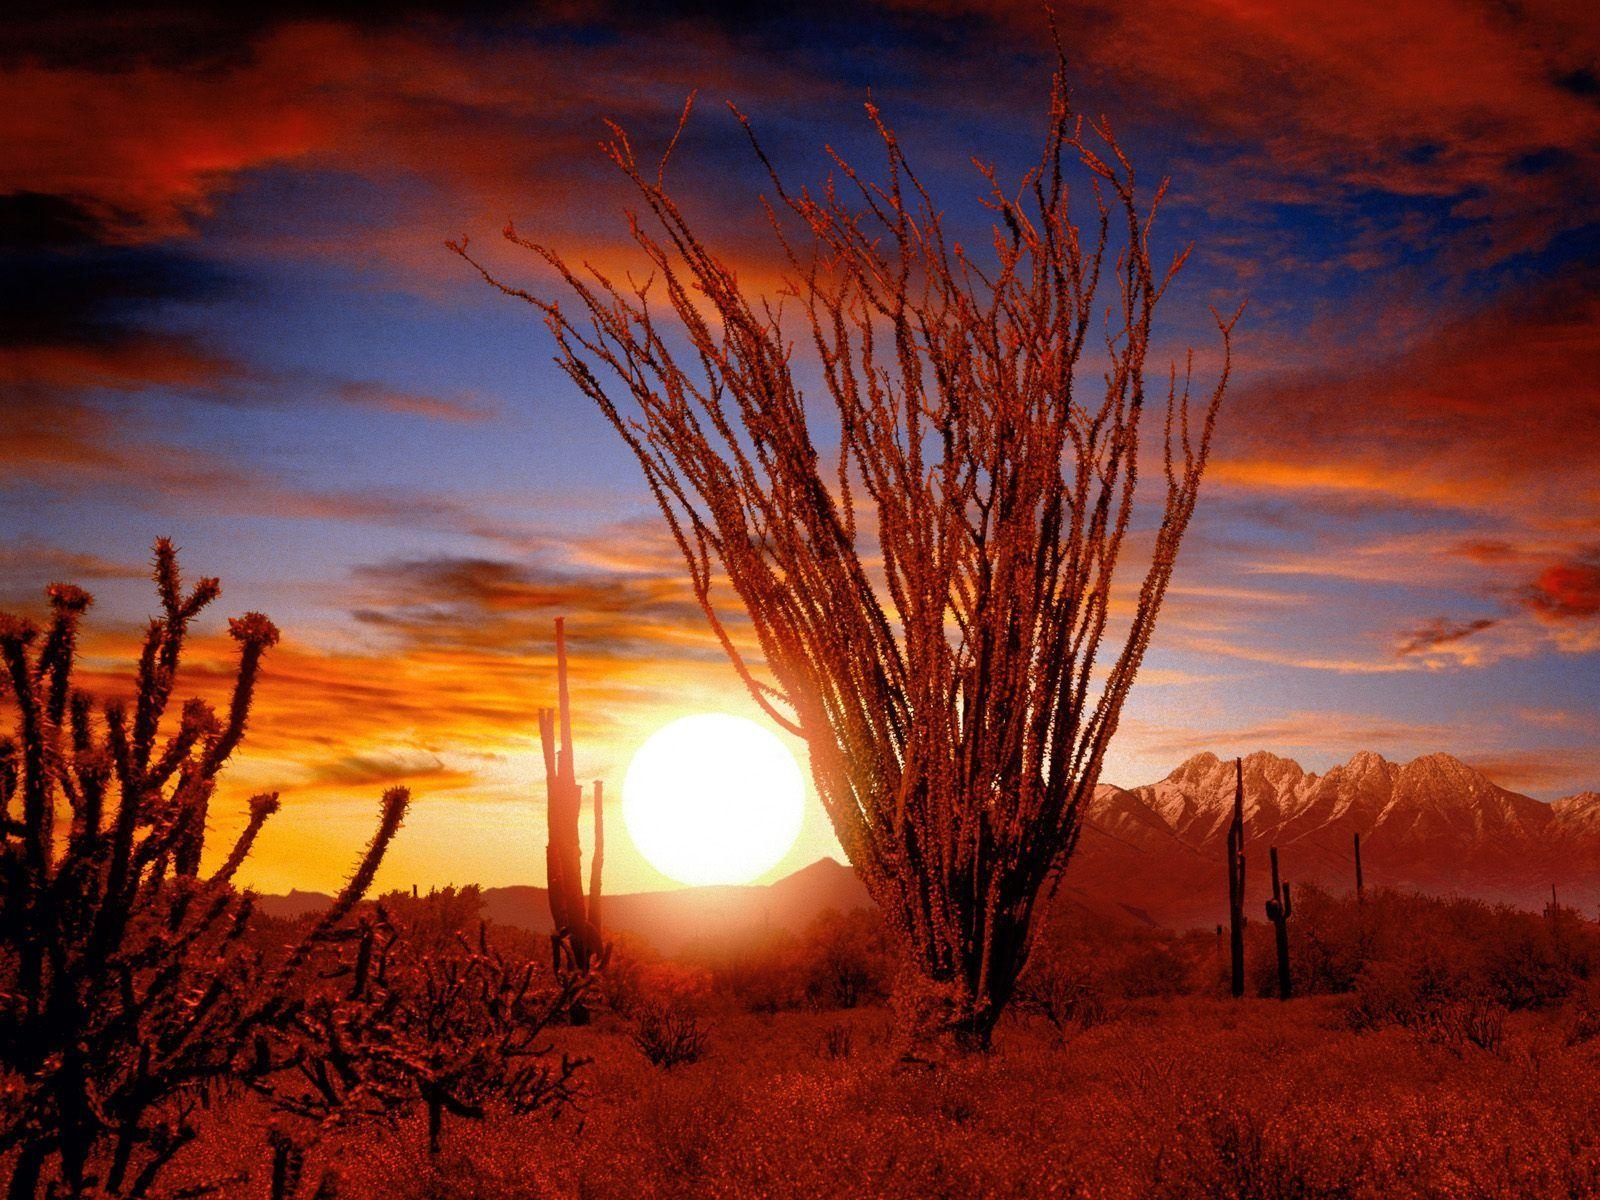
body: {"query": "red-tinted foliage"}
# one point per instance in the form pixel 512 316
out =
pixel 130 983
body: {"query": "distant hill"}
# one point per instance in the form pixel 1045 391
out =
pixel 670 920
pixel 1154 854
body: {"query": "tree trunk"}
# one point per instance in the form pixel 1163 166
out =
pixel 25 1178
pixel 952 988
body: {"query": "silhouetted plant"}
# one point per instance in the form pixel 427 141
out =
pixel 576 944
pixel 837 1042
pixel 1236 866
pixel 288 1180
pixel 1279 909
pixel 845 959
pixel 1062 994
pixel 128 984
pixel 1476 1021
pixel 931 596
pixel 445 1026
pixel 668 1035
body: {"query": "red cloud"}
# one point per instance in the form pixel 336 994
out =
pixel 149 147
pixel 1496 412
pixel 1488 106
pixel 1567 591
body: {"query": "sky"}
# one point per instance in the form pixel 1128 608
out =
pixel 229 317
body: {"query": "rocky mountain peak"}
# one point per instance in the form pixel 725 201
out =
pixel 1200 767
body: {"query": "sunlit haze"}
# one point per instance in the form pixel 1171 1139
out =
pixel 713 799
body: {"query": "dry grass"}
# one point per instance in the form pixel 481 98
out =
pixel 1173 1098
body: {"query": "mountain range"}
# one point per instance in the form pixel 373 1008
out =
pixel 1434 824
pixel 1155 854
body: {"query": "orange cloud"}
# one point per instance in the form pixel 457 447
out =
pixel 1494 412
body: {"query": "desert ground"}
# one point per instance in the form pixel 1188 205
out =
pixel 1448 1049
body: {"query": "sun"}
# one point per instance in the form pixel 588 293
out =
pixel 713 798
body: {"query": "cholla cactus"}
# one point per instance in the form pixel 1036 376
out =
pixel 127 980
pixel 450 1025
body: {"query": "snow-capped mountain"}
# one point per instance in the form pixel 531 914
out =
pixel 1434 824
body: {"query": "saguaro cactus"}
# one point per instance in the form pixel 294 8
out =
pixel 1236 883
pixel 576 942
pixel 1279 909
pixel 1360 889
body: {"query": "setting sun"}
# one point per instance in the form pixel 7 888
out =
pixel 713 799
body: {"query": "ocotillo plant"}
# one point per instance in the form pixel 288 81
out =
pixel 1279 909
pixel 1236 884
pixel 576 943
pixel 128 984
pixel 1360 882
pixel 931 594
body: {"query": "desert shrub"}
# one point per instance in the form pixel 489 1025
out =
pixel 445 1026
pixel 846 959
pixel 1439 948
pixel 839 961
pixel 636 978
pixel 436 919
pixel 1581 1019
pixel 1152 967
pixel 837 1041
pixel 1088 961
pixel 1064 995
pixel 668 1035
pixel 1539 960
pixel 1461 1023
pixel 1331 940
pixel 1409 991
pixel 1233 1154
pixel 761 975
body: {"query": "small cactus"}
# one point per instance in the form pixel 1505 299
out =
pixel 1236 883
pixel 1279 909
pixel 576 943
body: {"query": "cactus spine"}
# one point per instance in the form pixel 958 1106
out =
pixel 576 943
pixel 1236 883
pixel 1279 909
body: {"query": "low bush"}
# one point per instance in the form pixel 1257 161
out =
pixel 668 1035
